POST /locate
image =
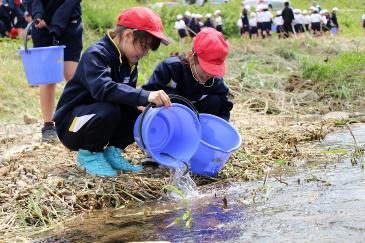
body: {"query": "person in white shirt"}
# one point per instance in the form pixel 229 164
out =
pixel 199 17
pixel 264 20
pixel 299 23
pixel 316 21
pixel 363 22
pixel 306 20
pixel 253 25
pixel 181 28
pixel 261 6
pixel 218 21
pixel 324 23
pixel 279 22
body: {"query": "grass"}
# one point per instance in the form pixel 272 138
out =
pixel 268 65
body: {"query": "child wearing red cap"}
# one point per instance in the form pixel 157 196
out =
pixel 98 107
pixel 197 76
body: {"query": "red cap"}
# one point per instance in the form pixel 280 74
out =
pixel 143 19
pixel 212 50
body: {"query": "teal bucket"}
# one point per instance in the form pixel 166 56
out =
pixel 219 139
pixel 42 65
pixel 171 135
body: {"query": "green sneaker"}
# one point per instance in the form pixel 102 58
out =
pixel 114 156
pixel 95 164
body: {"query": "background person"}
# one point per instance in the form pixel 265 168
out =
pixel 56 23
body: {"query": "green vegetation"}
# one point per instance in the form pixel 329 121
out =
pixel 337 64
pixel 186 218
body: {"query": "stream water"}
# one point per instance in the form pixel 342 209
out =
pixel 321 203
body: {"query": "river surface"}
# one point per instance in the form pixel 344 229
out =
pixel 319 203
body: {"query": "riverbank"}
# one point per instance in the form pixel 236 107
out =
pixel 280 104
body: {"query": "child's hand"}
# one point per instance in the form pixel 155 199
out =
pixel 141 108
pixel 40 23
pixel 159 98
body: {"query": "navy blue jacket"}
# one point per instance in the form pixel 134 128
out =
pixel 174 76
pixel 57 23
pixel 101 76
pixel 334 20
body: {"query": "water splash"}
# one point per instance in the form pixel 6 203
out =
pixel 183 182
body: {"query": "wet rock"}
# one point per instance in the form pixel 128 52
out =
pixel 336 115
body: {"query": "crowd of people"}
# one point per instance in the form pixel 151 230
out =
pixel 287 22
pixel 262 21
pixel 13 18
pixel 191 24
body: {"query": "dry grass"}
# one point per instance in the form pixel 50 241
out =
pixel 41 187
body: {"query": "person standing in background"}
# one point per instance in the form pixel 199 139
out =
pixel 208 21
pixel 334 20
pixel 218 21
pixel 56 22
pixel 5 20
pixel 288 17
pixel 245 30
pixel 181 28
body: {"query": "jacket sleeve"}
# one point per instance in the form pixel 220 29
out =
pixel 37 9
pixel 61 17
pixel 97 80
pixel 222 91
pixel 160 78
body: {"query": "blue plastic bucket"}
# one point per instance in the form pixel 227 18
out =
pixel 274 28
pixel 43 65
pixel 219 139
pixel 169 135
pixel 334 30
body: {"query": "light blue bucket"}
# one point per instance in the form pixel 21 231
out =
pixel 42 65
pixel 219 139
pixel 274 28
pixel 334 30
pixel 169 135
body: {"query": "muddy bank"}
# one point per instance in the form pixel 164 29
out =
pixel 319 202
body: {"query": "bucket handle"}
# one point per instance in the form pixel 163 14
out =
pixel 172 97
pixel 25 37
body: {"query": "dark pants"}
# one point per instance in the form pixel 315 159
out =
pixel 71 38
pixel 111 125
pixel 288 28
pixel 211 104
pixel 219 28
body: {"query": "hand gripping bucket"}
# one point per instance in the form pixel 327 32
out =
pixel 169 135
pixel 219 139
pixel 43 65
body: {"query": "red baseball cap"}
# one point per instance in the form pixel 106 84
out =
pixel 212 50
pixel 143 19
